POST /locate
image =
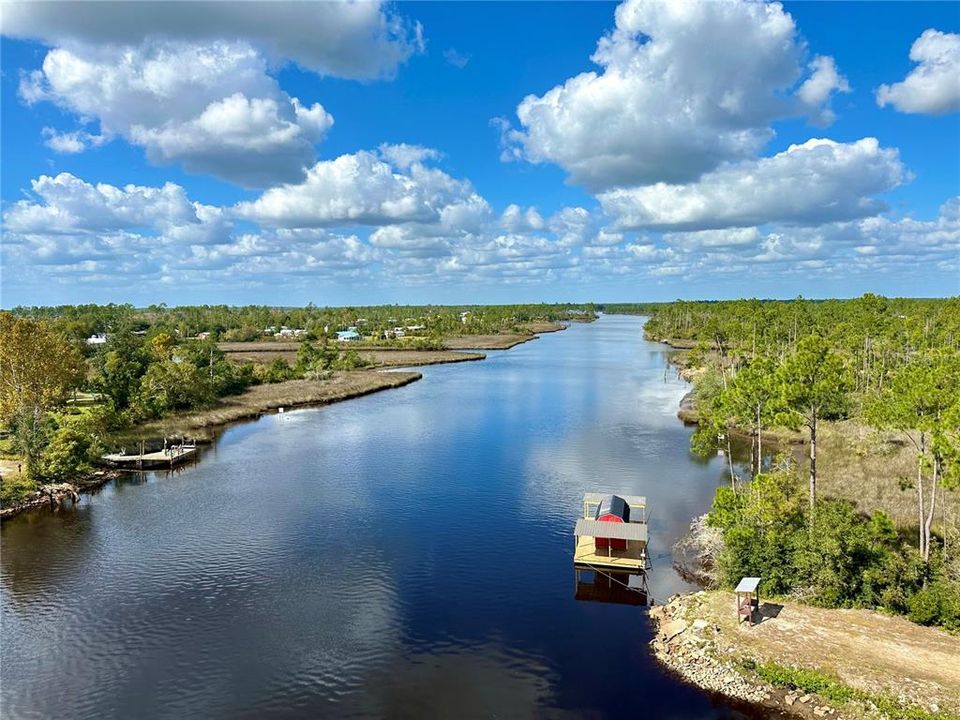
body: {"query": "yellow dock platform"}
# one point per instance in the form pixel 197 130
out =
pixel 586 553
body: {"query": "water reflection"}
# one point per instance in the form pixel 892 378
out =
pixel 406 554
pixel 610 586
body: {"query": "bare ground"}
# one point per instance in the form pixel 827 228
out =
pixel 872 652
pixel 261 399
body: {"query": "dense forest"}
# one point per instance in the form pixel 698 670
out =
pixel 872 364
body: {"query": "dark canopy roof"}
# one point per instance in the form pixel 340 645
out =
pixel 613 505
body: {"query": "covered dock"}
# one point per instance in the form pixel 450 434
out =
pixel 621 544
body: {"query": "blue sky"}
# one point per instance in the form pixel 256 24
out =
pixel 478 152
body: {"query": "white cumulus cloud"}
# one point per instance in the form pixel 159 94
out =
pixel 346 39
pixel 683 87
pixel 213 108
pixel 933 87
pixel 813 183
pixel 362 189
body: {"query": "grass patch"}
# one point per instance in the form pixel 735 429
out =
pixel 15 488
pixel 836 691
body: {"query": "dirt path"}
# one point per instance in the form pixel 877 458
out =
pixel 874 653
pixel 868 650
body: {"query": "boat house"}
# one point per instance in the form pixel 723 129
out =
pixel 612 532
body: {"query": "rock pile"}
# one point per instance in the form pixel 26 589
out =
pixel 689 649
pixel 53 495
pixel 693 648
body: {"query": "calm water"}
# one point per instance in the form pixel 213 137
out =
pixel 403 555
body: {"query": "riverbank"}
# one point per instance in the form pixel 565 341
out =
pixel 809 662
pixel 264 353
pixel 871 468
pixel 204 425
pixel 501 341
pixel 54 495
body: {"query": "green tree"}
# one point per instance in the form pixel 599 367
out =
pixel 922 401
pixel 753 399
pixel 120 366
pixel 38 369
pixel 813 384
pixel 172 385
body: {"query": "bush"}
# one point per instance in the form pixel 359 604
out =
pixel 170 385
pixel 349 360
pixel 15 487
pixel 845 560
pixel 67 455
pixel 277 371
pixel 937 604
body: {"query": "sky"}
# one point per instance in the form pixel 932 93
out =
pixel 362 153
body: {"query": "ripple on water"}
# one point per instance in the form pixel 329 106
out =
pixel 402 555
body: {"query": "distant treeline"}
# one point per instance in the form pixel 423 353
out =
pixel 250 322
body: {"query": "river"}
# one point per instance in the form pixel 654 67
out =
pixel 401 555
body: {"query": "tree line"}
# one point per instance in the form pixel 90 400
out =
pixel 152 363
pixel 888 364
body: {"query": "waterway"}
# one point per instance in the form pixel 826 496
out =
pixel 402 555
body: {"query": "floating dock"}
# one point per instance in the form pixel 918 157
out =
pixel 612 540
pixel 167 458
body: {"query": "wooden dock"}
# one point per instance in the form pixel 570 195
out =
pixel 168 458
pixel 586 553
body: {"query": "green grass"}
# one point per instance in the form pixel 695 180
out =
pixel 832 689
pixel 14 488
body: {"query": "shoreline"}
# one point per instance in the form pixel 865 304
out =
pixel 697 641
pixel 806 662
pixel 204 426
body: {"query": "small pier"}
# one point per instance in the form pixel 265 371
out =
pixel 612 532
pixel 165 458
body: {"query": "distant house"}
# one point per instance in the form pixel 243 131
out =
pixel 465 317
pixel 97 339
pixel 270 330
pixel 416 328
pixel 347 335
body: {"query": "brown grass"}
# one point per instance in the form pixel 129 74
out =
pixel 408 358
pixel 544 327
pixel 261 399
pixel 266 353
pixel 503 341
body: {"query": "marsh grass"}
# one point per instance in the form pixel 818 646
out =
pixel 260 399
